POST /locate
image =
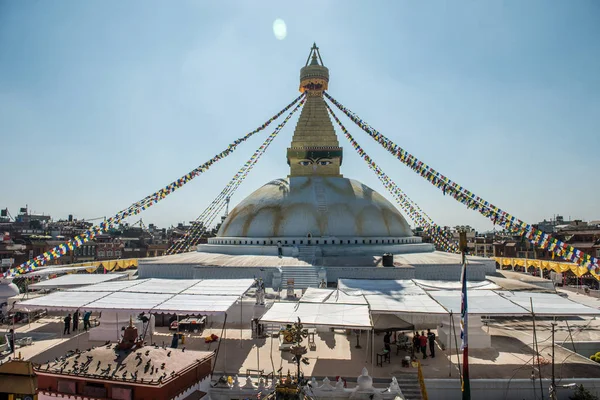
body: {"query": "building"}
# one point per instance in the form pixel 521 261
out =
pixel 125 371
pixel 17 381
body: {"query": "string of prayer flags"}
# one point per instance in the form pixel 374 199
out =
pixel 136 208
pixel 408 206
pixel 205 220
pixel 474 202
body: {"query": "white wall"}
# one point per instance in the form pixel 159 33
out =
pixel 502 389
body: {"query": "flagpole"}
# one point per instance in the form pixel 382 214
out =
pixel 466 384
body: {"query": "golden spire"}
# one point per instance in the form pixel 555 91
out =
pixel 315 150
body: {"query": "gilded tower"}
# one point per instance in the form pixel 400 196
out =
pixel 315 150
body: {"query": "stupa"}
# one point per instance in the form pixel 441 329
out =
pixel 315 224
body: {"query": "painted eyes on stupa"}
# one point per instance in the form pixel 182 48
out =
pixel 306 163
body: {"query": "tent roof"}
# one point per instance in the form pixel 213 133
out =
pixel 75 280
pixel 332 296
pixel 391 322
pixel 455 285
pixel 548 304
pixel 428 297
pixel 347 316
pixel 481 302
pixel 187 296
pixel 54 270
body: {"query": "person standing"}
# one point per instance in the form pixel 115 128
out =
pixel 386 341
pixel 75 321
pixel 423 343
pixel 416 344
pixel 431 338
pixel 86 320
pixel 10 339
pixel 67 321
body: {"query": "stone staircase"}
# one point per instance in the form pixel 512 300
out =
pixel 307 254
pixel 303 276
pixel 409 384
pixel 320 198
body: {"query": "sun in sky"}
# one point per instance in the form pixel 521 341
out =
pixel 279 29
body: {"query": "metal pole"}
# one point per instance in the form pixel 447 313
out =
pixel 537 348
pixel 218 347
pixel 242 323
pixel 450 346
pixel 553 384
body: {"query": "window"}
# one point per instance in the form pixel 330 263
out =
pixel 356 242
pixel 118 253
pixel 121 393
pixel 302 242
pixel 65 386
pixel 94 389
pixel 597 252
pixel 101 253
pixel 109 253
pixel 326 242
pixel 293 242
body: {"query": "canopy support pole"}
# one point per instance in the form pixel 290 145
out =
pixel 219 347
pixel 241 322
pixel 372 348
pixel 449 347
pixel 368 347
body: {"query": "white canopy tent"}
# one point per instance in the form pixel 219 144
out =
pixel 45 271
pixel 455 285
pixel 75 280
pixel 481 302
pixel 196 304
pixel 346 316
pixel 410 298
pixel 147 295
pixel 547 304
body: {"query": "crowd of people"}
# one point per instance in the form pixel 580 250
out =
pixel 420 342
pixel 75 320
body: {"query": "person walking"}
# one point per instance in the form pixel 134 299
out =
pixel 423 343
pixel 86 320
pixel 67 321
pixel 75 321
pixel 10 339
pixel 431 338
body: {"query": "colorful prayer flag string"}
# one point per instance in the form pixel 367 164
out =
pixel 407 205
pixel 472 201
pixel 137 207
pixel 205 220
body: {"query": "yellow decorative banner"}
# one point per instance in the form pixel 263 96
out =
pixel 546 264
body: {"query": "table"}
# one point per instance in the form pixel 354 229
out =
pixel 383 357
pixel 192 324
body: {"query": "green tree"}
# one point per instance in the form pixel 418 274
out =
pixel 582 393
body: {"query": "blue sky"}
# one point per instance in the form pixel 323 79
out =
pixel 104 102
